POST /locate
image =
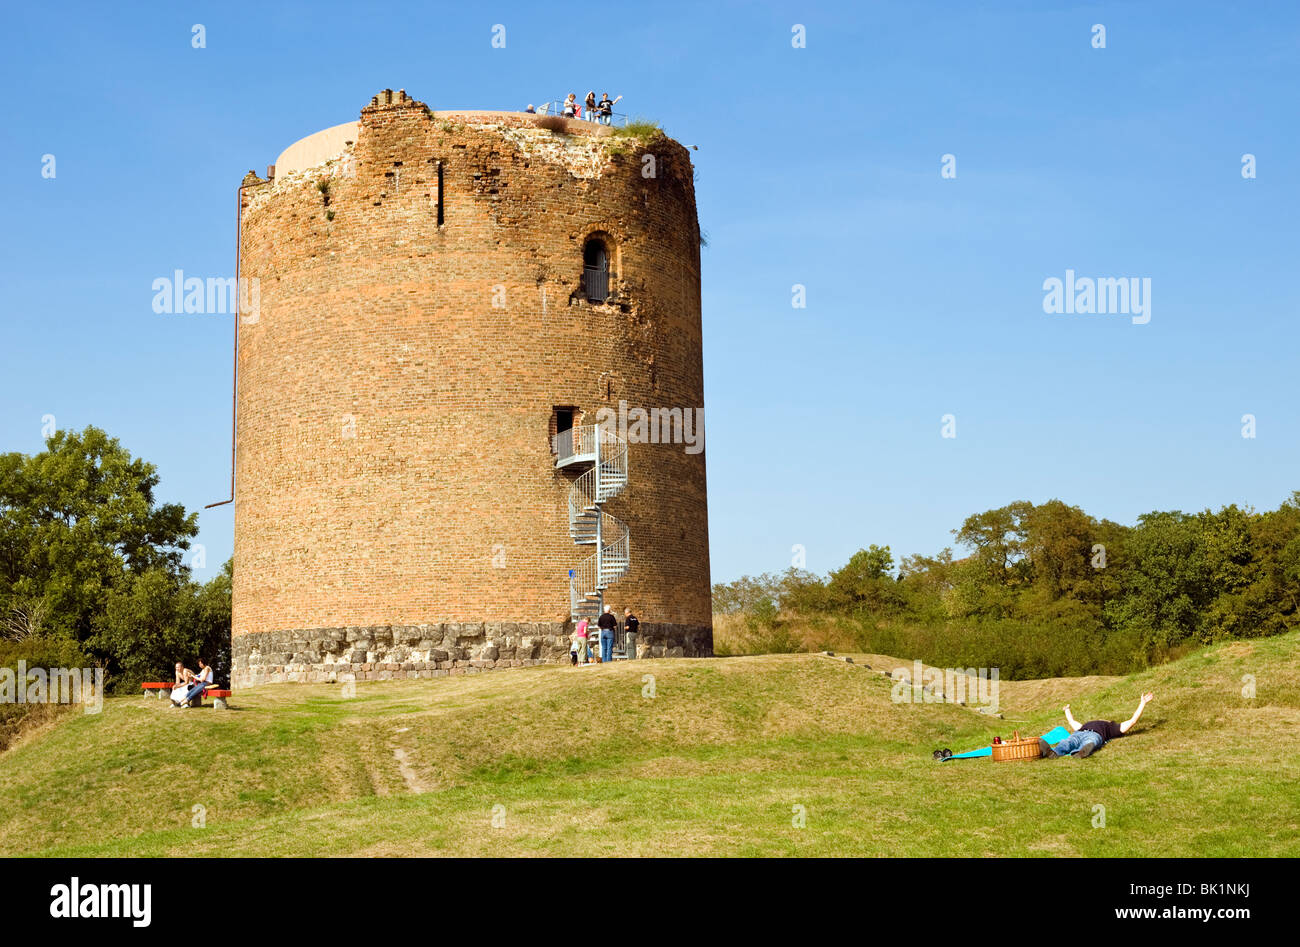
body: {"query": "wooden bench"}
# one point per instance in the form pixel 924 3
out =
pixel 163 691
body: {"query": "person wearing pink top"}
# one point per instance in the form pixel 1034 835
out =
pixel 580 643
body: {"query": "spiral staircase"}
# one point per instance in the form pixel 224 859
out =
pixel 604 454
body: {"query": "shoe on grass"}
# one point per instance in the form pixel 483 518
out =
pixel 1045 749
pixel 1086 750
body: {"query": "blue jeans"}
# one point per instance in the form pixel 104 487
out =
pixel 194 691
pixel 1075 741
pixel 606 646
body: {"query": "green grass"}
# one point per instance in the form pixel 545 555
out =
pixel 642 129
pixel 578 762
pixel 637 133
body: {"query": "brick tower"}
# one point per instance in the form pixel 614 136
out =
pixel 452 313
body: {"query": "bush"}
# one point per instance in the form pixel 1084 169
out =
pixel 44 652
pixel 1047 591
pixel 52 652
pixel 641 129
pixel 759 631
pixel 1020 650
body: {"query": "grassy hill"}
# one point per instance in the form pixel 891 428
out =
pixel 579 762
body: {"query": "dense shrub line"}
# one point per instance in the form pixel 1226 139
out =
pixel 1046 590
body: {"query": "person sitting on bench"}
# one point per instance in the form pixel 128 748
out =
pixel 1091 735
pixel 200 681
pixel 181 683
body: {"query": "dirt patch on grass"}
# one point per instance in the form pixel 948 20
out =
pixel 1057 845
pixel 30 722
pixel 1238 649
pixel 1021 697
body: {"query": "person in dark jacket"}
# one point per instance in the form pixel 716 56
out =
pixel 607 622
pixel 606 108
pixel 1092 735
pixel 630 626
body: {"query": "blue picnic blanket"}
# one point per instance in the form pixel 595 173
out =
pixel 1053 736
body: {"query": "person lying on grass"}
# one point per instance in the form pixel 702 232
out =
pixel 1090 736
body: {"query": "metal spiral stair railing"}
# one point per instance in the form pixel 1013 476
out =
pixel 589 524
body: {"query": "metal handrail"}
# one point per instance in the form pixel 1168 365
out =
pixel 581 578
pixel 579 441
pixel 556 107
pixel 606 479
pixel 582 496
pixel 616 557
pixel 613 473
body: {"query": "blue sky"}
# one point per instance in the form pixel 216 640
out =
pixel 818 166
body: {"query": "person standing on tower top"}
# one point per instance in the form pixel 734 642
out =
pixel 589 107
pixel 606 108
pixel 607 623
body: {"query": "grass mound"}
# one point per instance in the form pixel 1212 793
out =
pixel 716 756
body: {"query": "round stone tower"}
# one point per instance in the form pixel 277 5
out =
pixel 454 324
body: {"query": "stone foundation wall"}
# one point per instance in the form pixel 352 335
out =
pixel 400 652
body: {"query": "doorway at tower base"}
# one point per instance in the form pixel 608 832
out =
pixel 403 652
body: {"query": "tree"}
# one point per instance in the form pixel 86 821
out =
pixel 801 591
pixel 998 538
pixel 144 626
pixel 865 582
pixel 26 619
pixel 210 621
pixel 927 584
pixel 732 598
pixel 1058 541
pixel 1255 562
pixel 84 544
pixel 1167 583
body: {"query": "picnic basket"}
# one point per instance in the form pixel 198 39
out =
pixel 1016 749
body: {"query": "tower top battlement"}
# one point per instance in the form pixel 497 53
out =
pixel 317 148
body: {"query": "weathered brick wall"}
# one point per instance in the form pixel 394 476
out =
pixel 394 467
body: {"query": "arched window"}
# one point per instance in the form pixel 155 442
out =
pixel 595 270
